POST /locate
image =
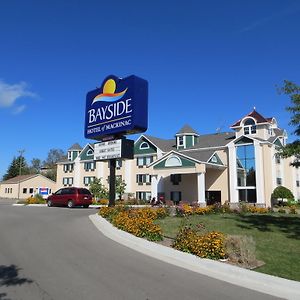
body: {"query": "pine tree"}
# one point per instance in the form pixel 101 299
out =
pixel 17 166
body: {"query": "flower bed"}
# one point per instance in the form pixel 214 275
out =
pixel 136 221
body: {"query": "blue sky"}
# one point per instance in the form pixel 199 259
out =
pixel 208 64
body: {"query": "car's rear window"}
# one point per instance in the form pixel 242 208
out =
pixel 84 191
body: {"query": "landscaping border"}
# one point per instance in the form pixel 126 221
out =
pixel 263 283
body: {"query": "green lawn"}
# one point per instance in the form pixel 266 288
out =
pixel 277 237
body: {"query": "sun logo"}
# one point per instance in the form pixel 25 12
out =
pixel 108 94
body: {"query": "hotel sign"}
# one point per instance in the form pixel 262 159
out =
pixel 118 107
pixel 121 148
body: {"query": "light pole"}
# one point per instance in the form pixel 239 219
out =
pixel 20 170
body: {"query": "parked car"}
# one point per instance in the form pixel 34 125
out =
pixel 71 197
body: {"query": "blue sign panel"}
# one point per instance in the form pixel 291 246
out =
pixel 118 107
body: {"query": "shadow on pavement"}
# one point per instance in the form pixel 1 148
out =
pixel 9 276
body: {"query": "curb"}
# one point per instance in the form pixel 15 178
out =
pixel 263 283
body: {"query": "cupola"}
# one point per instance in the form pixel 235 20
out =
pixel 186 137
pixel 74 151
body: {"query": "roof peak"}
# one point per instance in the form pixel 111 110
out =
pixel 187 129
pixel 75 146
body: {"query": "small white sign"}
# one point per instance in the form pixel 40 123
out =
pixel 108 150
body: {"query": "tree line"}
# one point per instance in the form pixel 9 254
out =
pixel 48 167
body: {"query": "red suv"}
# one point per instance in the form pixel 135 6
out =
pixel 71 197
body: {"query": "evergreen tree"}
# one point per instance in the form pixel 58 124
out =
pixel 17 167
pixel 293 149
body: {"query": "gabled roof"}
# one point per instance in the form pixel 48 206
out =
pixel 213 140
pixel 76 146
pixel 199 155
pixel 255 115
pixel 187 129
pixel 162 144
pixel 22 178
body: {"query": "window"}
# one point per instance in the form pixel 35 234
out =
pixel 24 190
pixel 68 168
pixel 279 181
pixel 247 195
pixel 89 152
pixel 144 160
pixel 119 164
pixel 89 166
pixel 143 178
pixel 144 145
pixel 180 141
pixel 69 155
pixel 87 180
pixel 67 181
pixel 245 165
pixel 297 183
pixel 214 159
pixel 249 127
pixel 175 179
pixel 277 159
pixel 31 191
pixel 146 196
pixel 173 161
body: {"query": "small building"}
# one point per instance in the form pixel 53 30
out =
pixel 24 186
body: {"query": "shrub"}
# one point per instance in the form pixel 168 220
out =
pixel 281 211
pixel 292 210
pixel 241 250
pixel 282 192
pixel 209 245
pixel 37 199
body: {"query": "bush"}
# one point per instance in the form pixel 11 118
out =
pixel 293 210
pixel 37 199
pixel 282 192
pixel 209 245
pixel 281 211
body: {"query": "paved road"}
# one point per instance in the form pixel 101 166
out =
pixel 57 253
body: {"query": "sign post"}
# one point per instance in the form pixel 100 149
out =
pixel 118 108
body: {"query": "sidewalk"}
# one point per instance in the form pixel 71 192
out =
pixel 267 284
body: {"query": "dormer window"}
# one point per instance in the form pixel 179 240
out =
pixel 144 145
pixel 180 141
pixel 249 127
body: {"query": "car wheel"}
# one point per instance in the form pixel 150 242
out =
pixel 70 204
pixel 49 203
pixel 86 206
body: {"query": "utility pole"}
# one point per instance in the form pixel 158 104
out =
pixel 20 169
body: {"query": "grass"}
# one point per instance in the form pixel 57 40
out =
pixel 277 237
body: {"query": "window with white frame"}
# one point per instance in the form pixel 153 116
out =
pixel 144 145
pixel 67 181
pixel 87 180
pixel 146 196
pixel 249 127
pixel 143 178
pixel 180 141
pixel 90 152
pixel 68 168
pixel 69 155
pixel 89 166
pixel 144 160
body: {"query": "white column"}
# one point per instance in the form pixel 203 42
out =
pixel 201 188
pixel 100 170
pixel 232 175
pixel 128 168
pixel 273 167
pixel 259 174
pixel 77 173
pixel 154 186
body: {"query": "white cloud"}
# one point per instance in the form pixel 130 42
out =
pixel 10 93
pixel 19 109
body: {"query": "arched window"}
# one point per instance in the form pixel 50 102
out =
pixel 249 126
pixel 173 161
pixel 144 145
pixel 89 152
